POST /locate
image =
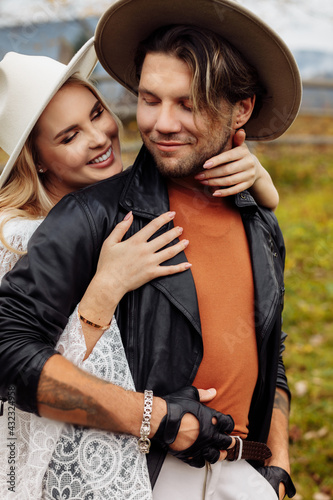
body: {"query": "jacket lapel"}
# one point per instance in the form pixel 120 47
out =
pixel 266 281
pixel 139 195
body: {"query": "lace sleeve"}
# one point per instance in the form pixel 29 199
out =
pixel 107 360
pixel 71 343
pixel 7 260
pixel 17 233
pixel 107 465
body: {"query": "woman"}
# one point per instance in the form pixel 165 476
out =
pixel 65 139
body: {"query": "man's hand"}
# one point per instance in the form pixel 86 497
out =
pixel 277 468
pixel 207 434
pixel 279 479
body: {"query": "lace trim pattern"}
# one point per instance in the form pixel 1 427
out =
pixel 17 233
pixel 55 460
pixel 88 463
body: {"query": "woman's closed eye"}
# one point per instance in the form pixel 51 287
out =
pixel 98 113
pixel 69 139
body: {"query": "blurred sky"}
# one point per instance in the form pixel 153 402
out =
pixel 303 24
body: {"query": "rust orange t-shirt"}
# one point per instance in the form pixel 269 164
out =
pixel 222 272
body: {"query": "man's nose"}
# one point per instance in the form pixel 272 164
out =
pixel 167 120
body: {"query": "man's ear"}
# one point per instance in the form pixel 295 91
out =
pixel 242 112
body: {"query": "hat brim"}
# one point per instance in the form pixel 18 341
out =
pixel 83 62
pixel 127 22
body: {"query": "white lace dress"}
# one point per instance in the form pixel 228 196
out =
pixel 45 459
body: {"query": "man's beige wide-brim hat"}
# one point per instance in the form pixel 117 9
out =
pixel 27 84
pixel 127 22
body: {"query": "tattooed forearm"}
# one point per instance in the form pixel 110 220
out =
pixel 281 403
pixel 63 398
pixel 68 394
pixel 278 438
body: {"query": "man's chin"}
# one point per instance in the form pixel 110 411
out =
pixel 173 170
pixel 175 167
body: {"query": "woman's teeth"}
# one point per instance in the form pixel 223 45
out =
pixel 103 157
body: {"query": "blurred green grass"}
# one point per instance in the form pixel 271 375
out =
pixel 303 175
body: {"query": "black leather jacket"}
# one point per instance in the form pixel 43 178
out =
pixel 39 294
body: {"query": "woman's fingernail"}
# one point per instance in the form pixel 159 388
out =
pixel 127 216
pixel 199 176
pixel 171 214
pixel 208 164
pixel 187 265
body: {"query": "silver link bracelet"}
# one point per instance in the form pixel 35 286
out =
pixel 144 441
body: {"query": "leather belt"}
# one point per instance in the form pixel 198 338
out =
pixel 249 450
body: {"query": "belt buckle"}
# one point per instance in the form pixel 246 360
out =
pixel 240 451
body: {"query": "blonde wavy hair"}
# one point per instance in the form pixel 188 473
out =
pixel 24 194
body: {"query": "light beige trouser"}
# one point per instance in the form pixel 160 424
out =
pixel 221 481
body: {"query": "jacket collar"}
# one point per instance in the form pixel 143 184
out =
pixel 139 195
pixel 244 200
pixel 144 181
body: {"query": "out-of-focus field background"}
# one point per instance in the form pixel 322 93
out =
pixel 303 174
pixel 301 165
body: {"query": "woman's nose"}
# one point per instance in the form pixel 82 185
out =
pixel 97 137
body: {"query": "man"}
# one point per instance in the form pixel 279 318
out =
pixel 219 326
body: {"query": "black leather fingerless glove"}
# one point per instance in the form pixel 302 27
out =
pixel 276 475
pixel 212 437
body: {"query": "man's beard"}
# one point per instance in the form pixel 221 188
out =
pixel 190 165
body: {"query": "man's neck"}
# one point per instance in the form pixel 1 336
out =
pixel 190 183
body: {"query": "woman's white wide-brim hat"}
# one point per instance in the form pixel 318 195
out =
pixel 127 22
pixel 27 84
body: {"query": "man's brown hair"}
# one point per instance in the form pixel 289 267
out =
pixel 218 69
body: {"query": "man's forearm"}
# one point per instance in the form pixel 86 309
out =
pixel 278 439
pixel 67 393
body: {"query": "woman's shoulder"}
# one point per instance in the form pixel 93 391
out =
pixel 20 226
pixel 18 231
